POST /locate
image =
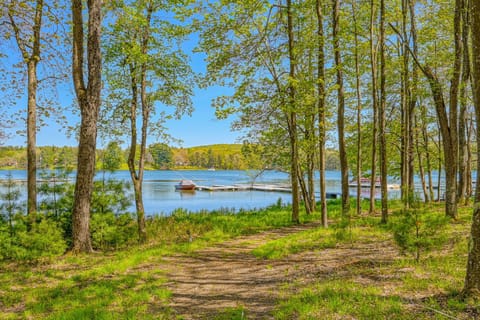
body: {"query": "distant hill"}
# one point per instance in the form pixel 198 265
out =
pixel 218 156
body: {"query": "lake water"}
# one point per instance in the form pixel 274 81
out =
pixel 160 196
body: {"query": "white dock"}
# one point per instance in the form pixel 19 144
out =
pixel 256 187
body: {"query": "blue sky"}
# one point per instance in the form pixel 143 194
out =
pixel 201 128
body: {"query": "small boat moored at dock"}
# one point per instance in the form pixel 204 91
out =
pixel 185 185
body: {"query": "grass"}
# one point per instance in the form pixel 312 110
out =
pixel 340 299
pixel 125 284
pixel 131 283
pixel 399 289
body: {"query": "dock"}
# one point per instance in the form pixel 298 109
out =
pixel 256 187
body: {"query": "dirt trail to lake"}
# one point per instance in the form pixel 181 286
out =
pixel 229 276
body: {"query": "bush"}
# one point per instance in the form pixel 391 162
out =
pixel 110 231
pixel 43 241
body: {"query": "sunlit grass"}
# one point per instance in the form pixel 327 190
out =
pixel 124 284
pixel 340 299
pixel 130 284
pixel 399 289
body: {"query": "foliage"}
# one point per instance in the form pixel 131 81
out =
pixel 10 202
pixel 112 157
pixel 162 155
pixel 45 239
pixel 110 231
pixel 418 231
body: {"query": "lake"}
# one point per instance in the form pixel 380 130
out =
pixel 160 197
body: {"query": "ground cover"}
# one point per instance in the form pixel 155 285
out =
pixel 250 266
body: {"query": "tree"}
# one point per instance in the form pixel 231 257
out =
pixel 29 46
pixel 447 117
pixel 373 64
pixel 254 49
pixel 321 110
pixel 472 278
pixel 292 114
pixel 359 111
pixel 88 98
pixel 382 117
pixel 32 27
pixel 162 155
pixel 340 108
pixel 145 72
pixel 112 157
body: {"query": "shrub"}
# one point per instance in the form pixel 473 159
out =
pixel 110 231
pixel 416 231
pixel 43 240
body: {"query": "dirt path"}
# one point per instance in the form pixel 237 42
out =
pixel 229 276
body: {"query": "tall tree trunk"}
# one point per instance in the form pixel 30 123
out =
pixel 420 163
pixel 451 160
pixel 469 163
pixel 31 141
pixel 472 279
pixel 463 121
pixel 137 177
pixel 32 59
pixel 405 117
pixel 139 69
pixel 340 108
pixel 440 160
pixel 382 117
pixel 449 144
pixel 292 116
pixel 88 97
pixel 426 141
pixel 373 63
pixel 359 113
pixel 321 110
pixel 413 102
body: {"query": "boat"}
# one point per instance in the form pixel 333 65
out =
pixel 185 185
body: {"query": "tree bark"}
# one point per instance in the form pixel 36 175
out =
pixel 359 113
pixel 321 110
pixel 472 278
pixel 382 116
pixel 292 116
pixel 412 103
pixel 340 109
pixel 463 172
pixel 373 63
pixel 449 144
pixel 405 117
pixel 89 102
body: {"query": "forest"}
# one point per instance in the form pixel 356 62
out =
pixel 158 157
pixel 390 88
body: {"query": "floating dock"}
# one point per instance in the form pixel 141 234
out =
pixel 256 187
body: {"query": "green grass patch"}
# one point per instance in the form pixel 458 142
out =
pixel 237 313
pixel 340 299
pixel 303 241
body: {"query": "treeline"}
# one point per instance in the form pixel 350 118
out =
pixel 159 156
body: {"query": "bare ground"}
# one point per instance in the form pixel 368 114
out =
pixel 229 276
